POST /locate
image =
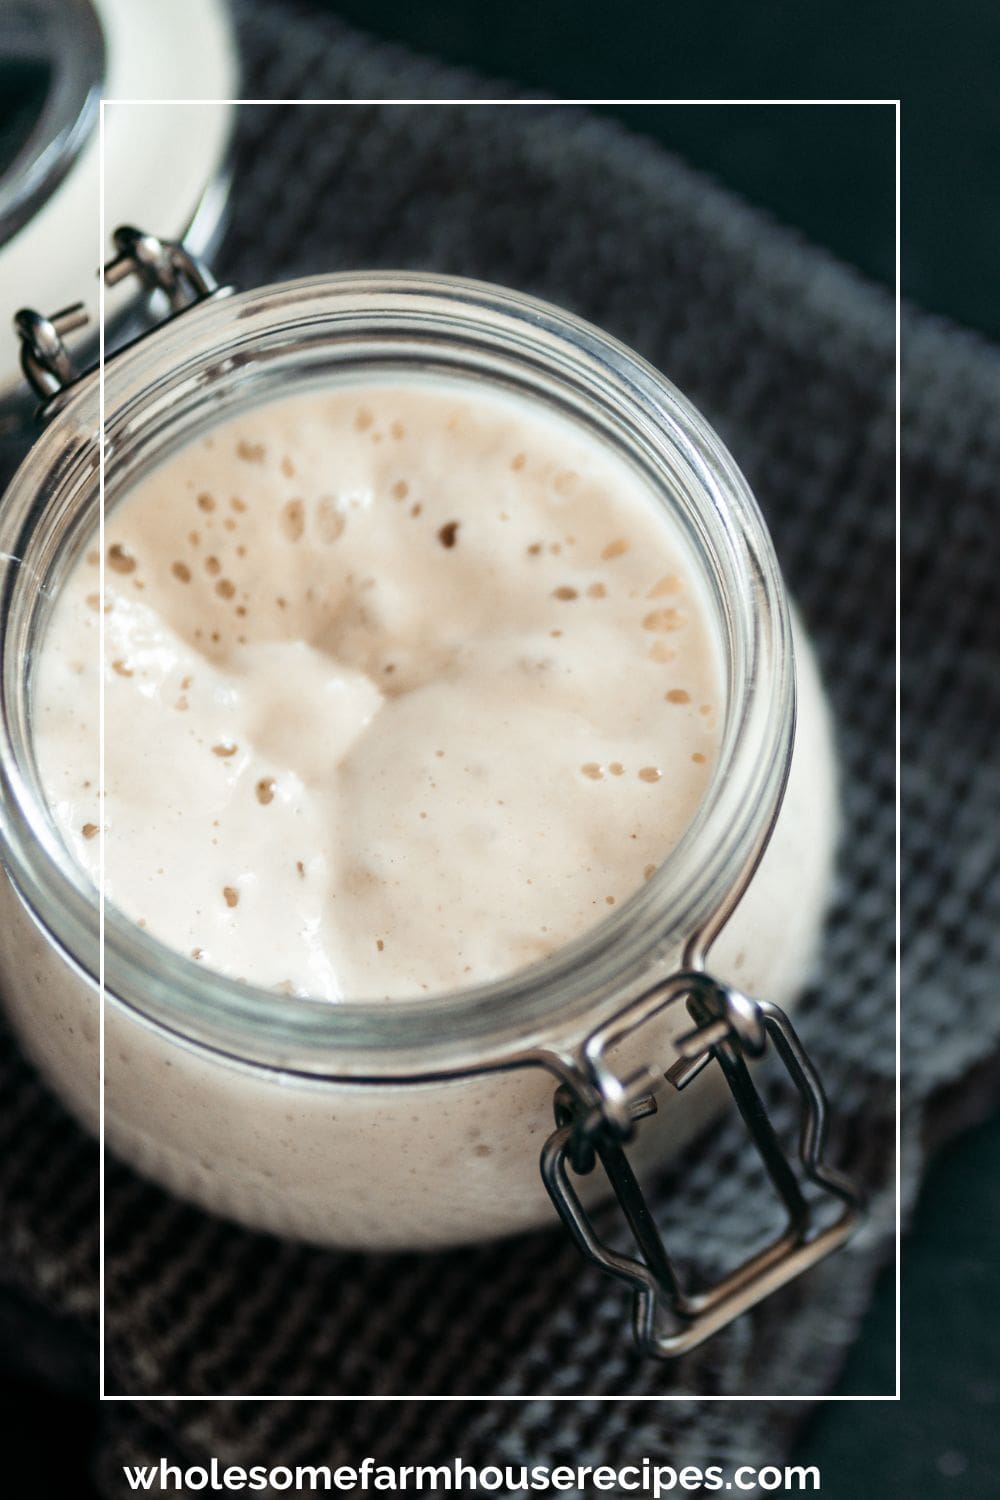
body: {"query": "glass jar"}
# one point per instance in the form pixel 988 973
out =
pixel 421 1123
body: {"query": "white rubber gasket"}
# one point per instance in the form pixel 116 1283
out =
pixel 171 76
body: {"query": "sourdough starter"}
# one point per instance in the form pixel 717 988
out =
pixel 405 688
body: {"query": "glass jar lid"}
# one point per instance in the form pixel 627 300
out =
pixel 167 75
pixel 52 67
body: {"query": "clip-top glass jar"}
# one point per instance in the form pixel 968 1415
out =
pixel 421 1122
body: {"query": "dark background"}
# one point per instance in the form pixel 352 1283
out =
pixel 828 171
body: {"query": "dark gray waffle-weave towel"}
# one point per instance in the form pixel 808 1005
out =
pixel 791 357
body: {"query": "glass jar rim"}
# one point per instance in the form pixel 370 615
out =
pixel 543 1006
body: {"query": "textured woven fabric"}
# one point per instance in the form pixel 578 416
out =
pixel 791 357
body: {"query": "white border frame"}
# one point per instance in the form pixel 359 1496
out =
pixel 100 258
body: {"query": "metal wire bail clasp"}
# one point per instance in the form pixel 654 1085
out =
pixel 159 265
pixel 45 359
pixel 597 1114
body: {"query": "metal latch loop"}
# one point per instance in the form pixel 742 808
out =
pixel 159 265
pixel 597 1113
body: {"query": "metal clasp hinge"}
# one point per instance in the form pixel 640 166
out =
pixel 596 1116
pixel 159 265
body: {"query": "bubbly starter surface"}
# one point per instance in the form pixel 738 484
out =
pixel 406 686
